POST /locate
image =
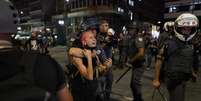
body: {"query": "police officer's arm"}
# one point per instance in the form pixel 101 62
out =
pixel 108 63
pixel 101 67
pixel 138 56
pixel 158 64
pixel 157 67
pixel 77 52
pixel 86 72
pixel 64 94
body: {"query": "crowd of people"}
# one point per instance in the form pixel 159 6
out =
pixel 37 41
pixel 23 74
pixel 174 56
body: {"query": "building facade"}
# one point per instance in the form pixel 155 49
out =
pixel 173 8
pixel 114 11
pixel 34 13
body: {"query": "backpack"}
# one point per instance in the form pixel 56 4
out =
pixel 21 86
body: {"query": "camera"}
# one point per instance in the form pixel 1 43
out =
pixel 106 39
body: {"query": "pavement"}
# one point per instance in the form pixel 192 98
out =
pixel 122 92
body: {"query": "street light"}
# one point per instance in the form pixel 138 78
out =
pixel 19 28
pixel 61 22
pixel 21 12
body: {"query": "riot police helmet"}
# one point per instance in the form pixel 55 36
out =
pixel 186 26
pixel 168 25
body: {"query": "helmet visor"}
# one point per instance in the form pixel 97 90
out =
pixel 186 31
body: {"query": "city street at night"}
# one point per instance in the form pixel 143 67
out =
pixel 122 92
pixel 100 50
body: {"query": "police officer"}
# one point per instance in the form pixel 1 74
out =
pixel 10 58
pixel 178 56
pixel 137 60
pixel 167 33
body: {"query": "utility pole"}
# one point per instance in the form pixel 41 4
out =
pixel 193 6
pixel 66 2
pixel 66 8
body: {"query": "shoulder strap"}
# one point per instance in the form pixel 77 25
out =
pixel 28 63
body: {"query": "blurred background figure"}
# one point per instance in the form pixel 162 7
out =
pixel 167 33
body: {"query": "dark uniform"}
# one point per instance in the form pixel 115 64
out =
pixel 179 58
pixel 138 70
pixel 163 37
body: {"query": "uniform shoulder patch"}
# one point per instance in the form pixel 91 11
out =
pixel 140 39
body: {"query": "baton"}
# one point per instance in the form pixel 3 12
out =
pixel 153 94
pixel 128 65
pixel 161 94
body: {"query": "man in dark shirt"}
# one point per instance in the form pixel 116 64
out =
pixel 137 59
pixel 167 34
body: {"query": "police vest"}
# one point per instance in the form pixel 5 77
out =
pixel 179 57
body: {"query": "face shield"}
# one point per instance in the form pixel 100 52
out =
pixel 186 27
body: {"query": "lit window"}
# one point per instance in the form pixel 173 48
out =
pixel 122 10
pixel 61 22
pixel 173 9
pixel 170 10
pixel 192 7
pixel 131 16
pixel 119 9
pixel 21 12
pixel 197 2
pixel 131 3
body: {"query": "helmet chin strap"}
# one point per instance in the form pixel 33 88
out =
pixel 180 37
pixel 191 36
